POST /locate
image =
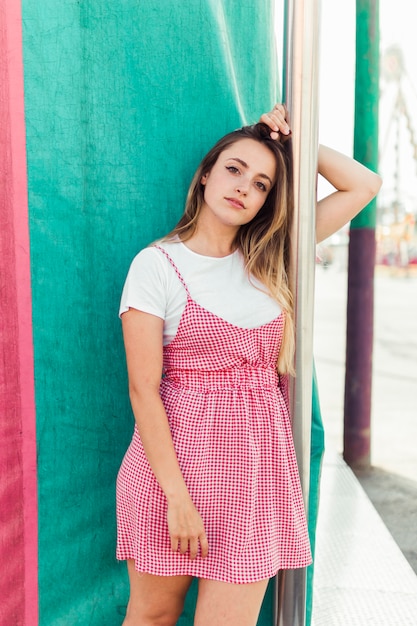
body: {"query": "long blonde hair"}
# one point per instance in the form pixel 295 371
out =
pixel 265 240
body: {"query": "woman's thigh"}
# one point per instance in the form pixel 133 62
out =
pixel 225 604
pixel 153 599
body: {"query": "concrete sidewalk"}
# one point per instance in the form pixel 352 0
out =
pixel 361 576
pixel 367 546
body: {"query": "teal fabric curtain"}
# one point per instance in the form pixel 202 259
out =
pixel 316 459
pixel 122 99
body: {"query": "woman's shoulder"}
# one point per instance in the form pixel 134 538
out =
pixel 156 258
pixel 147 264
pixel 169 251
pixel 151 253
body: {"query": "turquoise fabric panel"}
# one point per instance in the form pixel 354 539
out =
pixel 316 459
pixel 122 100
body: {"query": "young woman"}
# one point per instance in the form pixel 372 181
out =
pixel 209 485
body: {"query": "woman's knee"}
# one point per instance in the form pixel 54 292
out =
pixel 155 600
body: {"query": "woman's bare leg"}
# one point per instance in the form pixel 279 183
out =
pixel 155 600
pixel 225 604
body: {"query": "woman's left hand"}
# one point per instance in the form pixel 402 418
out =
pixel 277 120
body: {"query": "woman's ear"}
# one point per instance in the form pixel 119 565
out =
pixel 204 178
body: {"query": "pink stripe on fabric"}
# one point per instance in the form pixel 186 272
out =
pixel 17 402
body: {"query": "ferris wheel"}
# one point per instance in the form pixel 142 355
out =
pixel 398 154
pixel 397 203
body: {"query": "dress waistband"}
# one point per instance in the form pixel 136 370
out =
pixel 238 378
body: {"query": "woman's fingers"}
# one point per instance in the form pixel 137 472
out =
pixel 280 109
pixel 277 121
pixel 266 119
pixel 186 529
pixel 185 544
pixel 204 546
pixel 193 547
pixel 174 543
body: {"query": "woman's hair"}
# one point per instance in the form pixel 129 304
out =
pixel 265 240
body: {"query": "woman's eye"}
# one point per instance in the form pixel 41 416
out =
pixel 261 186
pixel 232 169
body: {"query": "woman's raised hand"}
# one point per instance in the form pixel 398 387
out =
pixel 186 528
pixel 277 120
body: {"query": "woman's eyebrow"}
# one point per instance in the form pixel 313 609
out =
pixel 246 166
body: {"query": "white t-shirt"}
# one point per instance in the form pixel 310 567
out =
pixel 220 285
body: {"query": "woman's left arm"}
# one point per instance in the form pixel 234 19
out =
pixel 355 186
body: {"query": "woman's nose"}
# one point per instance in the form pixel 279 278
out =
pixel 242 187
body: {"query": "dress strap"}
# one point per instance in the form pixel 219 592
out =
pixel 184 284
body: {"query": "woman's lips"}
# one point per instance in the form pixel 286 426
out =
pixel 235 203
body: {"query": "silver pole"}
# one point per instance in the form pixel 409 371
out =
pixel 301 52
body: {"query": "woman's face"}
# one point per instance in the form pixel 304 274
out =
pixel 238 184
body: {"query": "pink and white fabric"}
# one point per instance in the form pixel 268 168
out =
pixel 232 434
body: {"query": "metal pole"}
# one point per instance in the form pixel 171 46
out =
pixel 360 304
pixel 301 96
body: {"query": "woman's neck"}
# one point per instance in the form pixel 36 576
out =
pixel 214 240
pixel 210 244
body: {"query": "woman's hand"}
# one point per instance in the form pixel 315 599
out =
pixel 277 120
pixel 186 528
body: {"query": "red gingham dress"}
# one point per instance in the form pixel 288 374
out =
pixel 232 435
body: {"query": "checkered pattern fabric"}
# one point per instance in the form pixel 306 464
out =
pixel 232 434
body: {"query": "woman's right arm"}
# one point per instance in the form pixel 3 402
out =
pixel 142 334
